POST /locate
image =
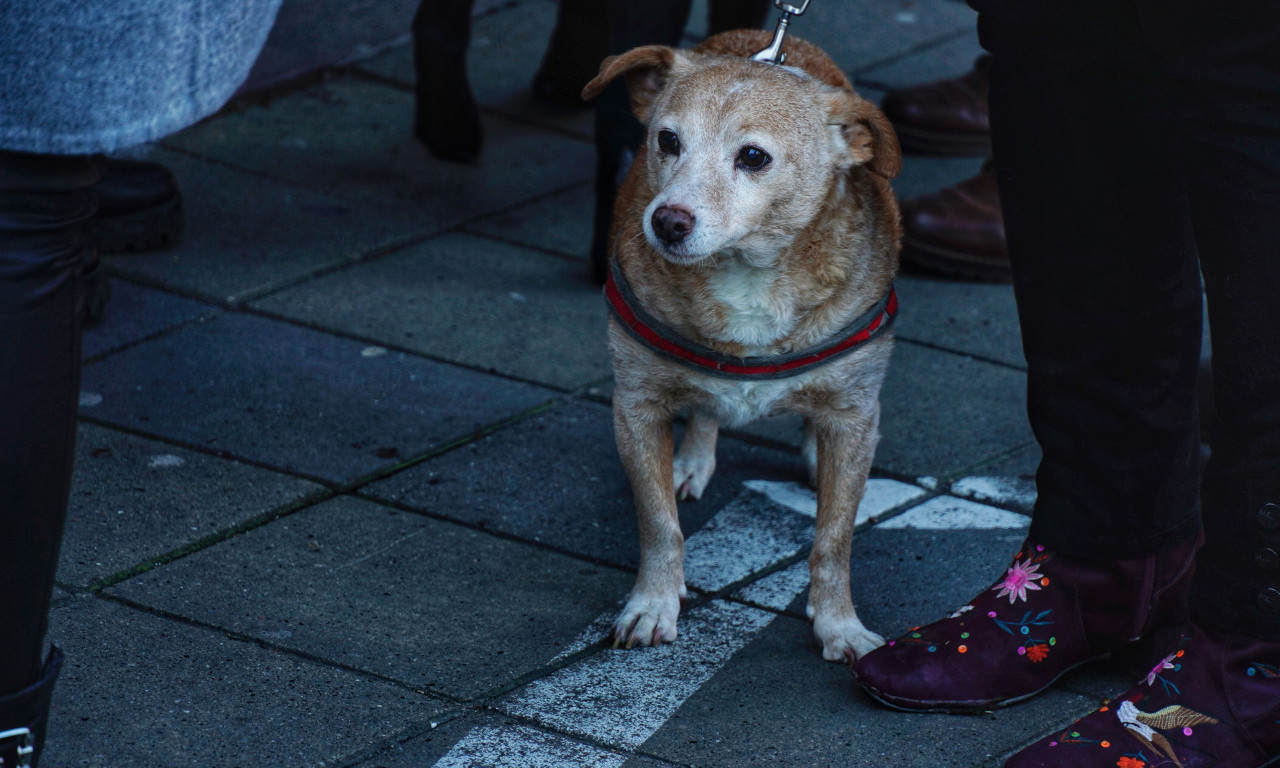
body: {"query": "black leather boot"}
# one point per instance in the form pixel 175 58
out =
pixel 24 715
pixel 44 257
pixel 139 208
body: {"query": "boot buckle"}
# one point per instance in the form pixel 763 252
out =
pixel 25 746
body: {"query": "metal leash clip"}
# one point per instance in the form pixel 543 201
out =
pixel 773 54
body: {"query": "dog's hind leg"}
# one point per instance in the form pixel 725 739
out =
pixel 696 460
pixel 846 442
pixel 809 452
pixel 645 445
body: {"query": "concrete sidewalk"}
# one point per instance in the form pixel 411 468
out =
pixel 346 492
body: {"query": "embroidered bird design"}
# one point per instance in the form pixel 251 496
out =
pixel 1145 726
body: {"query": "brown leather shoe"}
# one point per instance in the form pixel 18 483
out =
pixel 945 117
pixel 958 230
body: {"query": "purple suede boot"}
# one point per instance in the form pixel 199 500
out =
pixel 1049 614
pixel 1213 702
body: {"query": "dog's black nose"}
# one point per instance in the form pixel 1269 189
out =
pixel 672 224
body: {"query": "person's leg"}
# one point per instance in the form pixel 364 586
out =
pixel 1108 293
pixel 1230 89
pixel 1215 700
pixel 445 116
pixel 44 203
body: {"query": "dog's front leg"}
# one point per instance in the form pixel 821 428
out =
pixel 644 440
pixel 845 443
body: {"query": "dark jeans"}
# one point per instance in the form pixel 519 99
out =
pixel 44 202
pixel 1137 145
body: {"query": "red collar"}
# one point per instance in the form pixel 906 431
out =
pixel 653 334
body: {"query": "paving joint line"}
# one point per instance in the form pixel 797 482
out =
pixel 205 450
pixel 440 697
pixel 382 250
pixel 212 313
pixel 355 485
pixel 230 307
pixel 392 347
pixel 970 355
pixel 260 520
pixel 497 533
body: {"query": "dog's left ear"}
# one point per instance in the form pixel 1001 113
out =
pixel 863 133
pixel 646 69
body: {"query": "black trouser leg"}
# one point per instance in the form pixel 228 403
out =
pixel 44 202
pixel 1105 273
pixel 1226 59
pixel 446 118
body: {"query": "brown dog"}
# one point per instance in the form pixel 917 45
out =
pixel 756 242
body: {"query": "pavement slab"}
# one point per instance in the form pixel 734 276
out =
pixel 950 58
pixel 133 500
pixel 247 235
pixel 1020 462
pixel 435 605
pixel 555 478
pixel 862 36
pixel 972 318
pixel 925 175
pixel 352 138
pixel 469 300
pixel 942 412
pixel 141 690
pixel 485 740
pixel 559 223
pixel 138 313
pixel 296 399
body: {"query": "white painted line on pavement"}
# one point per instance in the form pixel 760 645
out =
pixel 1009 491
pixel 621 698
pixel 748 535
pixel 777 590
pixel 518 745
pixel 881 496
pixel 947 513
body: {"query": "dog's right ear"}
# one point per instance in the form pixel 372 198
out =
pixel 646 69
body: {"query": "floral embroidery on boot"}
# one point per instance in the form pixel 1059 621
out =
pixel 1046 615
pixel 1207 704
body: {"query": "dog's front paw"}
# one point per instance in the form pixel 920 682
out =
pixel 647 619
pixel 844 638
pixel 691 475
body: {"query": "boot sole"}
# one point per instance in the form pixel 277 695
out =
pixel 969 708
pixel 149 229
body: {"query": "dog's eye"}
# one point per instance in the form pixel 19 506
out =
pixel 668 142
pixel 753 158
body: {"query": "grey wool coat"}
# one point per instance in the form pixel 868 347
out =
pixel 88 76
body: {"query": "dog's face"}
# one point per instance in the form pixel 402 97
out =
pixel 740 155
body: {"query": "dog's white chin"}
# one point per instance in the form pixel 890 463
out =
pixel 678 254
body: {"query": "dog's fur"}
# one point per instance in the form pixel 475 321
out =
pixel 767 262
